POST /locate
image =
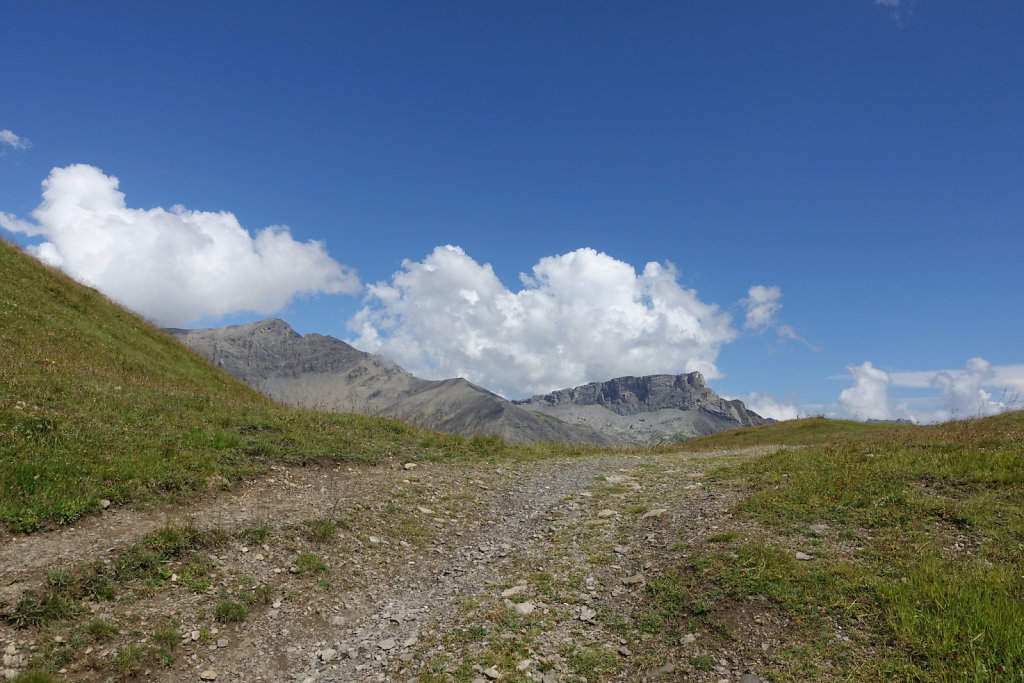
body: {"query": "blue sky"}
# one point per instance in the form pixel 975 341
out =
pixel 865 158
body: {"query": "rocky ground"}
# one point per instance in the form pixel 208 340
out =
pixel 406 572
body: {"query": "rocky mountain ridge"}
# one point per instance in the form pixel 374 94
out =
pixel 319 372
pixel 646 410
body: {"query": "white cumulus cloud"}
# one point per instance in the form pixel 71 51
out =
pixel 7 137
pixel 581 316
pixel 868 398
pixel 979 388
pixel 766 405
pixel 963 393
pixel 173 266
pixel 763 305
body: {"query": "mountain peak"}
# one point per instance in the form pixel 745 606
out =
pixel 630 395
pixel 650 408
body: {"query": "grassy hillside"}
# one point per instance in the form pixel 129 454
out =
pixel 805 432
pixel 918 534
pixel 818 431
pixel 97 404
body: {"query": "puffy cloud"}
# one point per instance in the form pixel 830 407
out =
pixel 763 305
pixel 769 406
pixel 868 398
pixel 174 266
pixel 579 317
pixel 953 393
pixel 962 391
pixel 1005 377
pixel 7 137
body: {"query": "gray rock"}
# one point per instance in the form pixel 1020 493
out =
pixel 323 373
pixel 646 410
pixel 663 670
pixel 750 678
pixel 525 608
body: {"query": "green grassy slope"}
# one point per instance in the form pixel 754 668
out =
pixel 818 431
pixel 95 403
pixel 919 535
pixel 804 432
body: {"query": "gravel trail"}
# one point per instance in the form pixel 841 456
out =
pixel 438 572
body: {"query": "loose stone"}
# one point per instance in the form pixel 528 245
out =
pixel 525 608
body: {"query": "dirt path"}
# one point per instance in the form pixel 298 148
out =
pixel 442 572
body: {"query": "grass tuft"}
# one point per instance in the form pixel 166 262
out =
pixel 230 610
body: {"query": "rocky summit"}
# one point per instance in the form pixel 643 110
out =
pixel 319 372
pixel 646 410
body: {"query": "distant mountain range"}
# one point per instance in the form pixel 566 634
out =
pixel 646 410
pixel 323 373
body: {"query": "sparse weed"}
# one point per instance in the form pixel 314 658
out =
pixel 255 532
pixel 34 609
pixel 264 594
pixel 230 610
pixel 33 676
pixel 591 662
pixel 321 529
pixel 166 636
pixel 129 660
pixel 308 563
pixel 100 629
pixel 703 662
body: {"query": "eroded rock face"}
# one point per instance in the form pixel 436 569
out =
pixel 323 373
pixel 646 410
